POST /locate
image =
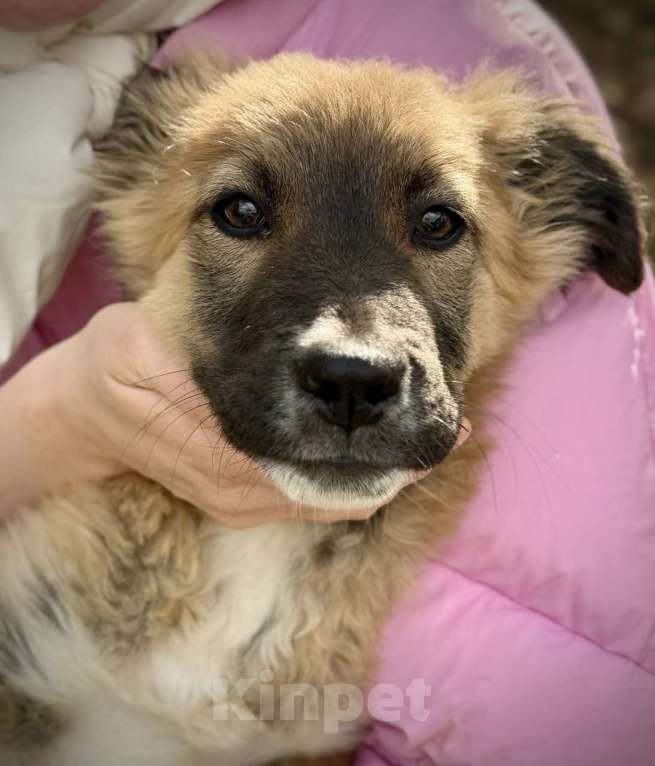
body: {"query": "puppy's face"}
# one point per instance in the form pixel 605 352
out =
pixel 339 247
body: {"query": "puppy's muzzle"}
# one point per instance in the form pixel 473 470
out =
pixel 348 392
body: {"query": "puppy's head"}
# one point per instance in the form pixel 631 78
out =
pixel 337 247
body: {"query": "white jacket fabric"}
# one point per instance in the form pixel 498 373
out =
pixel 58 92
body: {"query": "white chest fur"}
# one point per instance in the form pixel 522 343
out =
pixel 198 681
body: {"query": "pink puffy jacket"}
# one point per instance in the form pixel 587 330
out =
pixel 535 631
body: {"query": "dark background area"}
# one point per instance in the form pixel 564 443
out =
pixel 617 39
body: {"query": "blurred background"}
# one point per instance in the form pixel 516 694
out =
pixel 618 41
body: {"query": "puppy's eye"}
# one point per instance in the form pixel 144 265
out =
pixel 238 216
pixel 438 227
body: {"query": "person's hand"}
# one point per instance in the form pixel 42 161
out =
pixel 138 409
pixel 111 400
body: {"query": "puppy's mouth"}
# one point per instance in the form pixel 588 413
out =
pixel 338 483
pixel 346 466
pixel 343 482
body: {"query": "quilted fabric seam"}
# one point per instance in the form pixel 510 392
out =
pixel 550 619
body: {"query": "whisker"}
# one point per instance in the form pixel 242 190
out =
pixel 420 488
pixel 254 480
pixel 151 420
pixel 449 426
pixel 181 450
pixel 413 501
pixel 168 425
pixel 220 462
pixel 537 458
pixel 161 375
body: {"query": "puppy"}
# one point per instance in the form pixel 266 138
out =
pixel 346 254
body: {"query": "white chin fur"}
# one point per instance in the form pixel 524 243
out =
pixel 300 489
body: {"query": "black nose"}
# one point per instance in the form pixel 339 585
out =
pixel 348 392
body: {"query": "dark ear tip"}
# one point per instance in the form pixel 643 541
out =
pixel 625 279
pixel 629 286
pixel 637 277
pixel 583 185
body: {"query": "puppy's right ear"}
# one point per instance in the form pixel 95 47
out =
pixel 151 105
pixel 139 132
pixel 135 157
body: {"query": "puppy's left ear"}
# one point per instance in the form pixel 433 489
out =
pixel 569 186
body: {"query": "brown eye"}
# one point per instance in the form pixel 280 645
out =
pixel 238 216
pixel 439 226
